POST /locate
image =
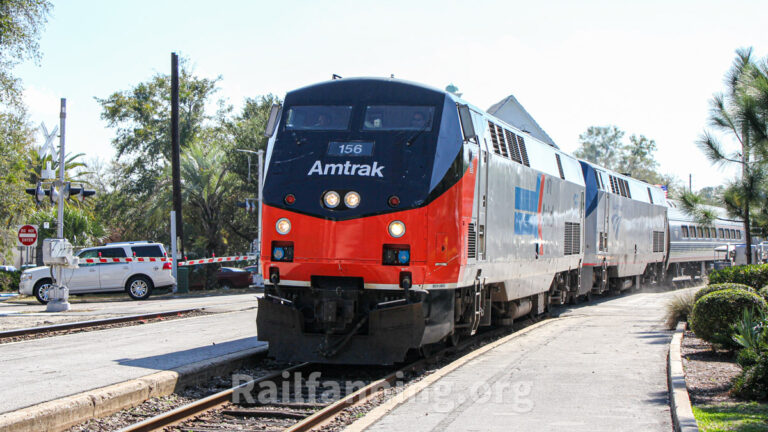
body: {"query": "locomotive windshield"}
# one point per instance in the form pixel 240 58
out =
pixel 318 117
pixel 398 117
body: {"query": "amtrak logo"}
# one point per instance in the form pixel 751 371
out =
pixel 347 168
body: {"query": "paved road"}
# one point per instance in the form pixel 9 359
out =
pixel 40 370
pixel 601 367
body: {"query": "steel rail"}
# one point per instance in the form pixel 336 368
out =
pixel 91 323
pixel 195 408
pixel 325 415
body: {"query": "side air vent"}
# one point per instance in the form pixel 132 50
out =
pixel 472 242
pixel 523 151
pixel 658 241
pixel 500 132
pixel 572 239
pixel 560 166
pixel 514 150
pixel 494 138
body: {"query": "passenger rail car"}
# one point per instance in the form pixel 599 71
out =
pixel 692 245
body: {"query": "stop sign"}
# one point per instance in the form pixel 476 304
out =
pixel 27 235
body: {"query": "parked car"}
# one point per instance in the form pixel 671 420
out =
pixel 8 268
pixel 232 277
pixel 138 279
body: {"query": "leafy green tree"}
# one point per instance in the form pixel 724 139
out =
pixel 15 204
pixel 21 22
pixel 601 145
pixel 80 226
pixel 142 119
pixel 636 159
pixel 605 146
pixel 737 114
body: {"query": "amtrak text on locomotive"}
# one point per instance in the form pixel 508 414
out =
pixel 347 168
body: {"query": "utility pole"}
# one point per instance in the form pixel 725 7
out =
pixel 175 148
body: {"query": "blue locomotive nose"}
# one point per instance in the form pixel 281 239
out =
pixel 404 257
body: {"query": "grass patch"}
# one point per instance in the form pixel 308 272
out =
pixel 740 417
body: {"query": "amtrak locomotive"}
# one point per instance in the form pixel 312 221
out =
pixel 397 216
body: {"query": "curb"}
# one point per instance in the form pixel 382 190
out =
pixel 680 403
pixel 61 414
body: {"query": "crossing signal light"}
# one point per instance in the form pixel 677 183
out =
pixel 68 191
pixel 250 205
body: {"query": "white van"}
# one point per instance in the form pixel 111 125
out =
pixel 138 279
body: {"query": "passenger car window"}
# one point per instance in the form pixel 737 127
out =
pixel 398 117
pixel 112 252
pixel 685 231
pixel 153 251
pixel 318 117
pixel 87 254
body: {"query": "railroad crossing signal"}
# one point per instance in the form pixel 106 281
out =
pixel 250 205
pixel 68 191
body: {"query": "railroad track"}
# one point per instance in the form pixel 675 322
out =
pixel 296 405
pixel 45 331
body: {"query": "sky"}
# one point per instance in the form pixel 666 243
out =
pixel 649 67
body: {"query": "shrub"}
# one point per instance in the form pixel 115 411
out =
pixel 714 314
pixel 679 308
pixel 764 293
pixel 718 287
pixel 755 275
pixel 747 357
pixel 9 281
pixel 753 382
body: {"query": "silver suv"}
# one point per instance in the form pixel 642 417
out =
pixel 137 278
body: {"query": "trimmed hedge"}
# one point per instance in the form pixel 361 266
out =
pixel 755 275
pixel 714 314
pixel 719 287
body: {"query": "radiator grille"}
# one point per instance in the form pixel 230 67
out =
pixel 572 238
pixel 658 241
pixel 472 242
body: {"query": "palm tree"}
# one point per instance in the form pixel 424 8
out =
pixel 737 114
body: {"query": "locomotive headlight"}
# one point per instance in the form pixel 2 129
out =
pixel 396 229
pixel 283 226
pixel 352 199
pixel 331 199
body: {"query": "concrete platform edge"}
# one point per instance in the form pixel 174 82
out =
pixel 680 403
pixel 61 414
pixel 380 411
